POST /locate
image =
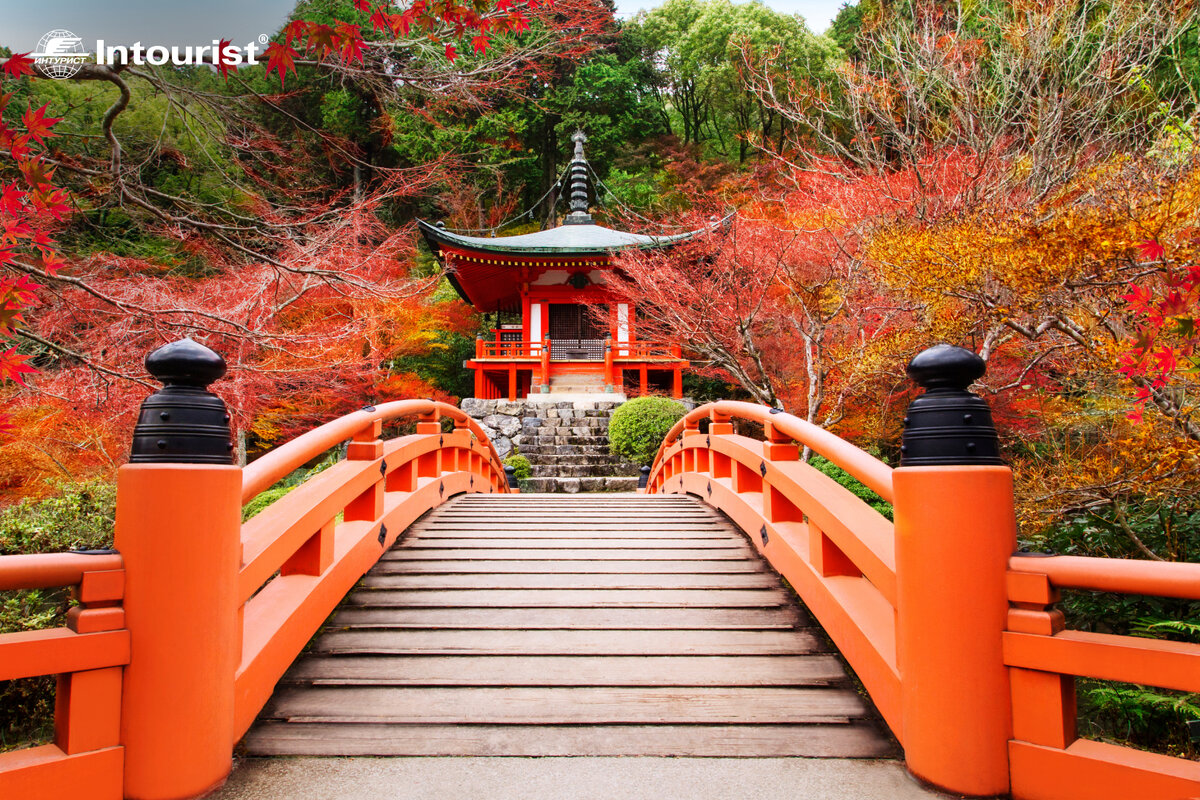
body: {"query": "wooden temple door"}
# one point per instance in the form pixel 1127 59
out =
pixel 574 334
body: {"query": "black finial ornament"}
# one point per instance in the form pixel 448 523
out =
pixel 947 425
pixel 510 472
pixel 643 477
pixel 183 422
pixel 577 182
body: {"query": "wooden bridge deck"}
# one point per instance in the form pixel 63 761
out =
pixel 540 625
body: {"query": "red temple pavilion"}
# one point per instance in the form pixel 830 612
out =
pixel 550 278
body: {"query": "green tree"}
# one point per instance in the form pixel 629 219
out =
pixel 702 45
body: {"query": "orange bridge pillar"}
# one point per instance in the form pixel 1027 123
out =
pixel 955 531
pixel 178 530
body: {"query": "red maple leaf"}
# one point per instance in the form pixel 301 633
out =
pixel 451 52
pixel 1151 250
pixel 38 125
pixel 480 43
pixel 321 39
pixel 10 200
pixel 54 203
pixel 351 41
pixel 18 64
pixel 362 5
pixel 381 20
pixel 281 57
pixel 18 146
pixel 296 29
pixel 36 172
pixel 224 65
pixel 517 22
pixel 13 366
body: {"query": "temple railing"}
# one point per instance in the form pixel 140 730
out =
pixel 87 656
pixel 953 635
pixel 645 351
pixel 588 350
pixel 504 351
pixel 178 641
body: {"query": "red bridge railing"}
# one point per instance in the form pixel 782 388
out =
pixel 955 638
pixel 87 655
pixel 179 640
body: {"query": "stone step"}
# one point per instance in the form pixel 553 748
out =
pixel 582 470
pixel 589 458
pixel 573 438
pixel 575 485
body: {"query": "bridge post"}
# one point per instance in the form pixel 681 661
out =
pixel 955 530
pixel 178 530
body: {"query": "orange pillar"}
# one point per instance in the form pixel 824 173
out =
pixel 642 377
pixel 955 530
pixel 677 384
pixel 512 381
pixel 608 365
pixel 178 530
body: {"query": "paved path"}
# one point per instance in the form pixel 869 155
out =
pixel 572 779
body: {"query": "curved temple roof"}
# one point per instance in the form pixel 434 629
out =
pixel 574 239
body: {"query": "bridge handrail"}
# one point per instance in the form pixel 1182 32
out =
pixel 875 474
pixel 1120 575
pixel 87 654
pixel 1048 757
pixel 52 570
pixel 277 464
pixel 836 551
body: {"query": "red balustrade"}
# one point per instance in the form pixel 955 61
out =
pixel 86 756
pixel 955 638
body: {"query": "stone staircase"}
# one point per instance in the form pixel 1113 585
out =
pixel 566 442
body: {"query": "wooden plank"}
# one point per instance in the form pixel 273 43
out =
pixel 579 618
pixel 760 741
pixel 556 705
pixel 569 642
pixel 613 519
pixel 388 562
pixel 571 554
pixel 575 531
pixel 594 544
pixel 399 578
pixel 581 598
pixel 741 670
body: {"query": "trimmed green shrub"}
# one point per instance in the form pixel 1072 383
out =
pixel 848 481
pixel 639 426
pixel 522 469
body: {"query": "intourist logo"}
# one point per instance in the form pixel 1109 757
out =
pixel 60 53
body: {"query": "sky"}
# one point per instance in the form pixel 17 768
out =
pixel 23 22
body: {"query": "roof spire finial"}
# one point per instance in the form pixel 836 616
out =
pixel 578 182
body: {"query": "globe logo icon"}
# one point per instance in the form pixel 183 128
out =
pixel 60 54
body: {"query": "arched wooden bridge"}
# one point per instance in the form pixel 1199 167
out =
pixel 495 623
